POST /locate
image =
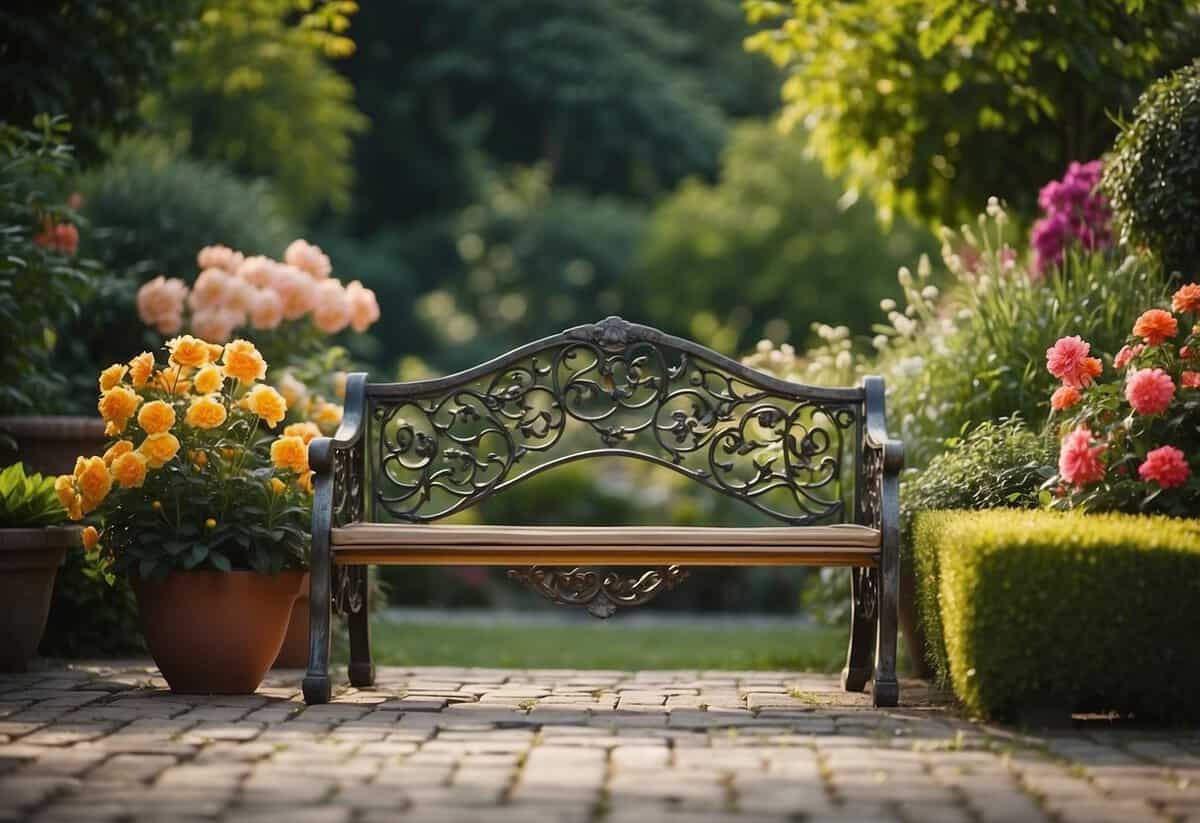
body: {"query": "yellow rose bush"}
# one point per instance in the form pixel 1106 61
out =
pixel 192 477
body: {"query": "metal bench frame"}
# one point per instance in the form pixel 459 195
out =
pixel 643 394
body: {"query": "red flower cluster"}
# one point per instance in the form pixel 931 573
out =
pixel 60 237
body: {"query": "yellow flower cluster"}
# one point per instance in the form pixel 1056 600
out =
pixel 196 373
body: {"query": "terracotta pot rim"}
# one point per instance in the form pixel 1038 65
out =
pixel 45 538
pixel 54 426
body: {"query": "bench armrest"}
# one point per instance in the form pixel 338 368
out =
pixel 880 463
pixel 339 484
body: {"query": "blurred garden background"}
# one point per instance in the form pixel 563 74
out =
pixel 935 192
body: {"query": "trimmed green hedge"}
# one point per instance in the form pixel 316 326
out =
pixel 1043 610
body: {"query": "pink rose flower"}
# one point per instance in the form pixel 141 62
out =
pixel 209 290
pixel 1149 391
pixel 214 325
pixel 1165 466
pixel 1068 360
pixel 160 303
pixel 258 271
pixel 1078 460
pixel 1190 380
pixel 364 308
pixel 219 257
pixel 1126 354
pixel 331 311
pixel 308 258
pixel 266 309
pixel 297 291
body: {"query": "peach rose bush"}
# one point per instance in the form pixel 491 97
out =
pixel 191 477
pixel 1130 439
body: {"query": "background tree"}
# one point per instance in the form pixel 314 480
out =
pixel 252 87
pixel 89 61
pixel 931 107
pixel 767 250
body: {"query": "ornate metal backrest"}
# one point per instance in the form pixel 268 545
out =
pixel 612 388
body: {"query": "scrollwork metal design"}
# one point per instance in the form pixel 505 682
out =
pixel 600 592
pixel 613 388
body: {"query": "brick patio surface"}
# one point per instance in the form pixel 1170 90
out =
pixel 108 742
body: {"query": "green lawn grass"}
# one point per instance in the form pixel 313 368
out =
pixel 608 646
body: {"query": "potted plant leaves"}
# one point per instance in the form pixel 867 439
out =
pixel 33 542
pixel 201 507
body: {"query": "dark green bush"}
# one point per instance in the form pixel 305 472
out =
pixel 92 613
pixel 1074 612
pixel 1153 175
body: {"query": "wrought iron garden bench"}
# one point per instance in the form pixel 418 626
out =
pixel 408 455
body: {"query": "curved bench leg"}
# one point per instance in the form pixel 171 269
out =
pixel 361 670
pixel 860 657
pixel 317 686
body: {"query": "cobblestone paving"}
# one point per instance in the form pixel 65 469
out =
pixel 108 742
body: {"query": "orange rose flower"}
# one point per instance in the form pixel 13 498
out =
pixel 327 415
pixel 267 403
pixel 1064 397
pixel 93 481
pixel 206 413
pixel 116 450
pixel 188 351
pixel 208 380
pixel 112 376
pixel 306 431
pixel 1155 326
pixel 129 470
pixel 68 495
pixel 1187 299
pixel 1190 380
pixel 116 406
pixel 243 361
pixel 305 482
pixel 172 381
pixel 278 486
pixel 290 452
pixel 156 416
pixel 90 538
pixel 140 369
pixel 159 449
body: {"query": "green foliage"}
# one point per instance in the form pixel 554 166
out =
pixel 93 613
pixel 766 251
pixel 250 87
pixel 1152 177
pixel 996 465
pixel 531 261
pixel 42 282
pixel 931 107
pixel 622 97
pixel 1078 613
pixel 28 501
pixel 156 209
pixel 87 60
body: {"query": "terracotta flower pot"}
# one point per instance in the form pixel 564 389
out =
pixel 29 560
pixel 294 653
pixel 216 632
pixel 49 444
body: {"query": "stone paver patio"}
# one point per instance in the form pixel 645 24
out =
pixel 108 742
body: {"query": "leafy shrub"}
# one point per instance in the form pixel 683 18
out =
pixel 1153 176
pixel 93 612
pixel 156 208
pixel 996 465
pixel 42 281
pixel 1065 611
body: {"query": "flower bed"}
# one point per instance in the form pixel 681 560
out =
pixel 1063 611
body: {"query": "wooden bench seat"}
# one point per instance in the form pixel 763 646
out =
pixel 403 544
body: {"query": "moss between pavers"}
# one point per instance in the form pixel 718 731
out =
pixel 1037 610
